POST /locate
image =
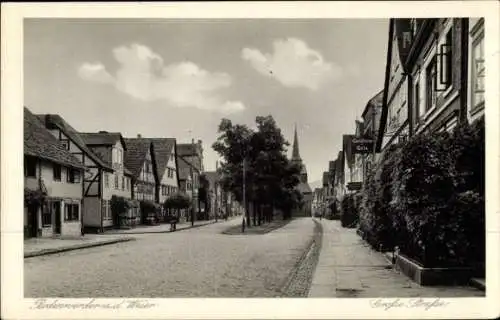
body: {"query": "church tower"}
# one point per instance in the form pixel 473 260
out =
pixel 296 157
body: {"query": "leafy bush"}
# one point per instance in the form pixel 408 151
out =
pixel 148 209
pixel 376 218
pixel 427 197
pixel 119 206
pixel 349 207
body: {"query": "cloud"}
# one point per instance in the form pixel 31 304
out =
pixel 143 75
pixel 293 64
pixel 94 72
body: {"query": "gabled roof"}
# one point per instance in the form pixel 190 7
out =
pixel 135 155
pixel 102 138
pixel 107 139
pixel 39 142
pixel 374 102
pixel 53 121
pixel 339 170
pixel 163 151
pixel 184 168
pixel 346 148
pixel 304 188
pixel 333 170
pixel 326 178
pixel 331 166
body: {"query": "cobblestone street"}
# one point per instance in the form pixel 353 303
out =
pixel 200 262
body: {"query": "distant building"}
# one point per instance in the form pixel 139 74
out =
pixel 192 156
pixel 110 147
pixel 303 186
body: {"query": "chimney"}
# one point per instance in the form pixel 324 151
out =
pixel 139 136
pixel 192 141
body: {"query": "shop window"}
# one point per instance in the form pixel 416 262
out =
pixel 71 212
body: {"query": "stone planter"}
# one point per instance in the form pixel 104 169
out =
pixel 432 276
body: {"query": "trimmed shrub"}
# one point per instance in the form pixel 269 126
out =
pixel 349 207
pixel 119 206
pixel 376 217
pixel 148 210
pixel 427 197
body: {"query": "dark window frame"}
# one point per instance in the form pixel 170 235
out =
pixel 57 172
pixel 71 212
pixel 30 166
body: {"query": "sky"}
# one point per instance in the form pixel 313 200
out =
pixel 179 78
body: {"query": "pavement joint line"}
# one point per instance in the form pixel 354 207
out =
pixel 44 252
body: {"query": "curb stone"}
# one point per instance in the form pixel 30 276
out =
pixel 75 247
pixel 157 232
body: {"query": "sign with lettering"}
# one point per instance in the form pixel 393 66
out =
pixel 354 186
pixel 404 37
pixel 362 146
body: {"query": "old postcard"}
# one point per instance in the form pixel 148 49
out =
pixel 250 160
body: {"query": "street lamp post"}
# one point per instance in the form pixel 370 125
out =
pixel 244 196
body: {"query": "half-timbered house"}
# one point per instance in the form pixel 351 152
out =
pixel 110 147
pixel 140 160
pixel 52 184
pixel 95 215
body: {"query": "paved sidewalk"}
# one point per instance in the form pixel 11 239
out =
pixel 43 246
pixel 348 267
pixel 161 228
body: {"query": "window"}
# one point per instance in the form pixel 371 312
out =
pixel 123 183
pixel 445 62
pixel 57 172
pixel 127 181
pixel 46 215
pixel 106 210
pixel 478 71
pixel 71 212
pixel 430 85
pixel 73 176
pixel 116 181
pixel 106 180
pixel 65 144
pixel 416 101
pixel 30 166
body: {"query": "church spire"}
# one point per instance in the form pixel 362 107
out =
pixel 295 152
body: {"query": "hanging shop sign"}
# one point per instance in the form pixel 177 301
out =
pixel 362 146
pixel 354 186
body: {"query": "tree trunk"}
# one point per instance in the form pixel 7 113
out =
pixel 247 213
pixel 260 214
pixel 254 214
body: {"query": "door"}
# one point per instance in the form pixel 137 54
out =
pixel 32 228
pixel 56 208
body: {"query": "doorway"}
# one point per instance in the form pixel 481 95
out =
pixel 32 223
pixel 56 208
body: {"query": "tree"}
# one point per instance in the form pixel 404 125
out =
pixel 177 202
pixel 269 174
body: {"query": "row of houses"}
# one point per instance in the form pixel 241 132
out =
pixel 71 177
pixel 434 80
